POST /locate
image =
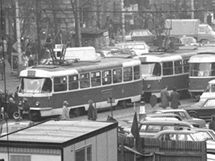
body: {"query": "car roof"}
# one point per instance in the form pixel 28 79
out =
pixel 181 131
pixel 164 115
pixel 173 110
pixel 163 122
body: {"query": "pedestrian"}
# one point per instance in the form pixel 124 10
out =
pixel 26 109
pixel 164 97
pixel 174 99
pixel 16 97
pixel 92 112
pixel 65 111
pixel 12 108
pixel 212 123
pixel 142 111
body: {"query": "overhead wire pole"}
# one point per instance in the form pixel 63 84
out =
pixel 37 2
pixel 77 24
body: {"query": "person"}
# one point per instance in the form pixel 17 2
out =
pixel 16 97
pixel 12 108
pixel 65 111
pixel 174 99
pixel 212 123
pixel 164 98
pixel 142 112
pixel 92 112
pixel 26 109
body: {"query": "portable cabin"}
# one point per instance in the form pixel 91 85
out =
pixel 62 141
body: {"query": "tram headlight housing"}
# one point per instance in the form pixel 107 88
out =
pixel 37 103
pixel 148 86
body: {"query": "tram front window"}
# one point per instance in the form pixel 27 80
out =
pixel 151 69
pixel 202 69
pixel 36 85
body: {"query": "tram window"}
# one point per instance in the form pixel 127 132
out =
pixel 117 75
pixel 186 65
pixel 127 74
pixel 60 83
pixel 167 68
pixel 47 86
pixel 136 72
pixel 178 67
pixel 106 77
pixel 73 82
pixel 84 80
pixel 95 78
pixel 213 69
pixel 157 69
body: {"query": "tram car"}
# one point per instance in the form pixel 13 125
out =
pixel 160 69
pixel 202 70
pixel 108 80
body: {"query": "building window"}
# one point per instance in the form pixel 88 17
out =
pixel 95 78
pixel 73 82
pixel 60 84
pixel 84 154
pixel 127 74
pixel 167 68
pixel 84 80
pixel 117 75
pixel 20 158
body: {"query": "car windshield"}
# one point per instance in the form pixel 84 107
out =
pixel 150 69
pixel 201 136
pixel 36 85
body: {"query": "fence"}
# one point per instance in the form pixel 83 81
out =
pixel 156 150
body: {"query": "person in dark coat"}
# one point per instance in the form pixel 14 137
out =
pixel 164 98
pixel 92 112
pixel 12 108
pixel 26 109
pixel 174 99
pixel 212 123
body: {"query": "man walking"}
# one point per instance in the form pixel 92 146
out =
pixel 174 99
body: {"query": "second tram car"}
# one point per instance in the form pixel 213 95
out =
pixel 202 70
pixel 164 69
pixel 110 80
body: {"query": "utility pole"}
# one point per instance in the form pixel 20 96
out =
pixel 77 24
pixel 123 20
pixel 37 4
pixel 18 36
pixel 192 9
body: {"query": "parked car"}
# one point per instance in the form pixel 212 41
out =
pixel 204 109
pixel 185 116
pixel 141 35
pixel 151 127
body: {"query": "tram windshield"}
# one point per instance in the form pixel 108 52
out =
pixel 151 69
pixel 36 85
pixel 202 69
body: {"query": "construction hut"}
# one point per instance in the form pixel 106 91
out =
pixel 62 141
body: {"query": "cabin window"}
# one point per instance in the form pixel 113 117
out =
pixel 151 69
pixel 95 79
pixel 201 69
pixel 136 72
pixel 84 154
pixel 127 74
pixel 84 80
pixel 117 75
pixel 20 157
pixel 47 86
pixel 167 68
pixel 73 82
pixel 178 67
pixel 106 77
pixel 186 65
pixel 60 83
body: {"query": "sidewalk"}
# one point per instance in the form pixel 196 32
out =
pixel 12 80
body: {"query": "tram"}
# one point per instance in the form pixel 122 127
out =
pixel 108 80
pixel 160 69
pixel 202 70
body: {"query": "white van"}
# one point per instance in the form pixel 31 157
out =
pixel 209 92
pixel 205 33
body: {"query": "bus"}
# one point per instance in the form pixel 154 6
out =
pixel 107 82
pixel 160 69
pixel 202 70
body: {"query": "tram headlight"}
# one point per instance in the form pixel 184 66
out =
pixel 148 86
pixel 37 104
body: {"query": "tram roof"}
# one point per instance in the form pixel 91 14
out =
pixel 76 67
pixel 159 57
pixel 202 58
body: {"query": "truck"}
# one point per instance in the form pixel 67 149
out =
pixel 203 33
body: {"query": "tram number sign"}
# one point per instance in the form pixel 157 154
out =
pixel 110 100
